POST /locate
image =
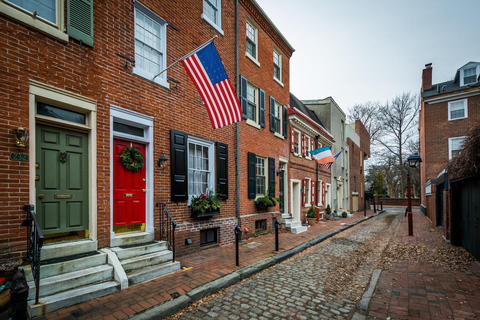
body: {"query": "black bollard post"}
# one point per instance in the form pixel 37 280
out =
pixel 238 232
pixel 276 234
pixel 19 295
pixel 365 208
pixel 381 206
pixel 374 208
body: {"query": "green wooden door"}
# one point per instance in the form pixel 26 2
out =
pixel 61 179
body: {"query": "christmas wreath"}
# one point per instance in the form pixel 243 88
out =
pixel 132 159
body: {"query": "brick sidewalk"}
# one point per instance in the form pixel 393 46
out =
pixel 421 290
pixel 206 265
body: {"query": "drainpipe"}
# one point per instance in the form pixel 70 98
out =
pixel 237 173
pixel 317 194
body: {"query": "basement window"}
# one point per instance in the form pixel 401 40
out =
pixel 208 236
pixel 260 225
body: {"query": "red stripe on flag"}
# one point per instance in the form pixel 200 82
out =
pixel 199 82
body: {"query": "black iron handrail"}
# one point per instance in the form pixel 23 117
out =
pixel 34 245
pixel 167 228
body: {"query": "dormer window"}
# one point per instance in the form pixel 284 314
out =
pixel 469 75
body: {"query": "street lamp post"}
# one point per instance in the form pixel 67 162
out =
pixel 412 161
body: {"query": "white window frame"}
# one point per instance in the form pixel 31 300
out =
pixel 308 147
pixel 299 152
pixel 248 55
pixel 465 108
pixel 450 142
pixel 428 188
pixel 278 107
pixel 265 167
pixel 254 123
pixel 308 196
pixel 161 79
pixel 217 26
pixel 319 193
pixel 211 162
pixel 462 78
pixel 280 66
pixel 55 30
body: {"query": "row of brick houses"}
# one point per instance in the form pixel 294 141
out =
pixel 79 77
pixel 449 110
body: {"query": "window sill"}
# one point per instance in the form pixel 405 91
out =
pixel 297 155
pixel 457 118
pixel 218 28
pixel 253 124
pixel 36 24
pixel 279 82
pixel 308 205
pixel 308 158
pixel 149 76
pixel 278 135
pixel 253 59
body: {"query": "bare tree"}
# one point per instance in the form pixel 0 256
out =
pixel 367 113
pixel 399 126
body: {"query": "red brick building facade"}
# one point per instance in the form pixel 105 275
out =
pixel 358 155
pixel 448 111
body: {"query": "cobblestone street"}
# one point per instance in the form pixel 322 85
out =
pixel 322 282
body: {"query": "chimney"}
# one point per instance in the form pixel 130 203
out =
pixel 427 77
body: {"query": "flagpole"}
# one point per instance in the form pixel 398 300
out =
pixel 187 55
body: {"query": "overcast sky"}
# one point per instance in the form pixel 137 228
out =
pixel 356 51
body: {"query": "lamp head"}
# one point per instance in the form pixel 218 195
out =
pixel 414 160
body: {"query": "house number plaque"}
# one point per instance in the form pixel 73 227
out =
pixel 18 157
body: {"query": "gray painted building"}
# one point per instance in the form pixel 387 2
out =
pixel 334 120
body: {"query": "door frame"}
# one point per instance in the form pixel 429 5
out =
pixel 41 92
pixel 145 122
pixel 295 186
pixel 284 161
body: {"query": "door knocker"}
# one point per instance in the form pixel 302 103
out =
pixel 63 157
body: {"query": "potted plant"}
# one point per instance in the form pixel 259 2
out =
pixel 344 214
pixel 205 205
pixel 350 214
pixel 265 202
pixel 311 216
pixel 328 213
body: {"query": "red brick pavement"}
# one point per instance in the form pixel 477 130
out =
pixel 207 265
pixel 421 290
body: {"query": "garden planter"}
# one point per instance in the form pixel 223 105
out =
pixel 311 221
pixel 262 206
pixel 199 214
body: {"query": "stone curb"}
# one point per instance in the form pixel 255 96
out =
pixel 368 294
pixel 173 306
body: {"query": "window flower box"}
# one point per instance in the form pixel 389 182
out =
pixel 205 205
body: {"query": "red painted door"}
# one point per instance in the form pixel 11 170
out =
pixel 128 188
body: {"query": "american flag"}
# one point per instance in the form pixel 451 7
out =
pixel 329 164
pixel 206 70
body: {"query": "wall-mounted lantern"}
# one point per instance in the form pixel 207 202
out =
pixel 162 161
pixel 21 137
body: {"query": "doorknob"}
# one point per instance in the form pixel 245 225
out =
pixel 144 190
pixel 41 196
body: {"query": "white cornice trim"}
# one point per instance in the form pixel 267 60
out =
pixel 297 122
pixel 452 96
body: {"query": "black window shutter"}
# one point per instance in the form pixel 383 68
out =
pixel 222 170
pixel 80 20
pixel 272 114
pixel 262 108
pixel 271 177
pixel 252 182
pixel 284 121
pixel 178 152
pixel 243 96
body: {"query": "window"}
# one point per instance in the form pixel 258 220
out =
pixel 454 146
pixel 277 117
pixel 49 17
pixel 212 13
pixel 200 167
pixel 457 109
pixel 260 225
pixel 308 146
pixel 307 192
pixel 252 103
pixel 261 177
pixel 319 192
pixel 252 40
pixel 150 45
pixel 469 75
pixel 428 188
pixel 296 143
pixel 208 236
pixel 277 66
pixel 60 113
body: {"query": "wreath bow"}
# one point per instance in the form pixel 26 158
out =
pixel 132 159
